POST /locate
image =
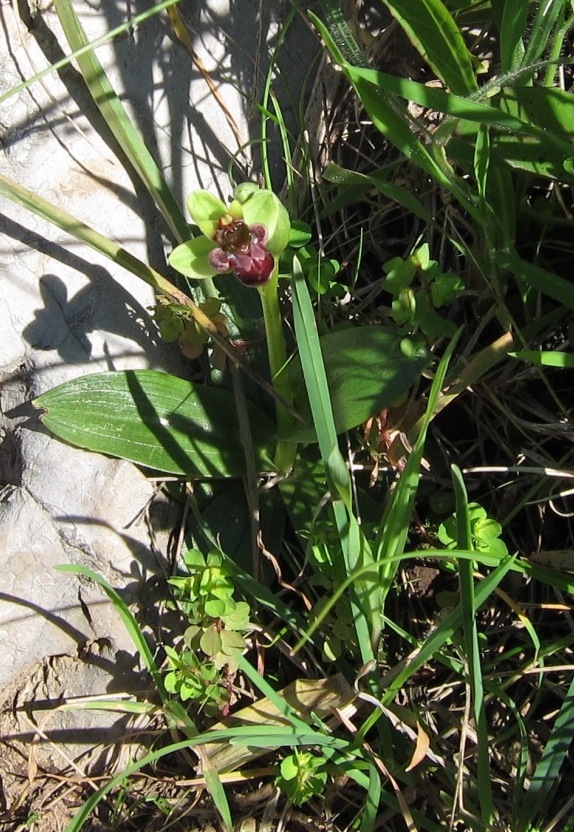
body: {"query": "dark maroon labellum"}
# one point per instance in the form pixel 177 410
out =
pixel 253 269
pixel 242 251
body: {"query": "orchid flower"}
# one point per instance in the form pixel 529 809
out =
pixel 244 238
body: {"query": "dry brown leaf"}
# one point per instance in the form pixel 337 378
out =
pixel 305 696
pixel 421 748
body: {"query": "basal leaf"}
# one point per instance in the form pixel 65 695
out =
pixel 156 420
pixel 366 371
pixel 549 108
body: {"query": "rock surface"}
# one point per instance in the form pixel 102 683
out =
pixel 66 311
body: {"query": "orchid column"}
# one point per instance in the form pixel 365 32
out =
pixel 246 239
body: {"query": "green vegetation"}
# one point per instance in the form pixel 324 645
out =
pixel 417 320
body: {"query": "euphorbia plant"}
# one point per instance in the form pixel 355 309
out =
pixel 245 239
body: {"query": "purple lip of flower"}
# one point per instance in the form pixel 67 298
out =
pixel 242 251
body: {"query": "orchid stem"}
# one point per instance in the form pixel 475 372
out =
pixel 284 451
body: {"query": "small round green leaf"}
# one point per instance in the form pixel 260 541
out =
pixel 210 641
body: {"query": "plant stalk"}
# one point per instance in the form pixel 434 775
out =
pixel 284 451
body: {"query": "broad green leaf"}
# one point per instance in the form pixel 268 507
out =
pixel 210 641
pixel 231 641
pixel 300 234
pixel 549 108
pixel 156 420
pixel 215 608
pixel 366 371
pixel 432 30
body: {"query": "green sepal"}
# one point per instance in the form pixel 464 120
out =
pixel 264 208
pixel 192 258
pixel 245 191
pixel 206 210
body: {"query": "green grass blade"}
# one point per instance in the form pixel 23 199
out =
pixel 472 651
pixel 456 106
pixel 482 157
pixel 128 621
pixel 550 577
pixel 523 751
pixel 267 736
pixel 119 122
pixel 78 229
pixel 316 381
pixel 434 33
pixel 545 778
pixel 121 706
pixel 394 527
pixel 393 124
pixel 445 631
pixel 271 694
pixel 546 358
pixel 548 283
pixel 366 600
pixel 338 36
pixel 217 794
pixel 547 16
pixel 371 808
pixel 337 175
pixel 265 107
pixel 512 29
pixel 175 713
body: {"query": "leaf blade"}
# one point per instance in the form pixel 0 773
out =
pixel 153 419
